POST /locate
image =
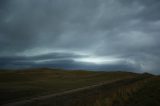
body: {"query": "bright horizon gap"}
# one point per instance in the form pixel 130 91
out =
pixel 98 60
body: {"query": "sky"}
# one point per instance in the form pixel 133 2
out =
pixel 97 35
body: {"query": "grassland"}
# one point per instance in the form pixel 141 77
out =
pixel 20 85
pixel 126 89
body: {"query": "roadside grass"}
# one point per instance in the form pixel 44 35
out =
pixel 141 93
pixel 148 95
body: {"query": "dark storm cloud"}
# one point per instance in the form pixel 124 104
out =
pixel 53 33
pixel 10 60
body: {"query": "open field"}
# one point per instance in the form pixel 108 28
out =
pixel 45 87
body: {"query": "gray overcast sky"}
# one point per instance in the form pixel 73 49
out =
pixel 80 34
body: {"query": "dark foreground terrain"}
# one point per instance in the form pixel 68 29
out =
pixel 46 87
